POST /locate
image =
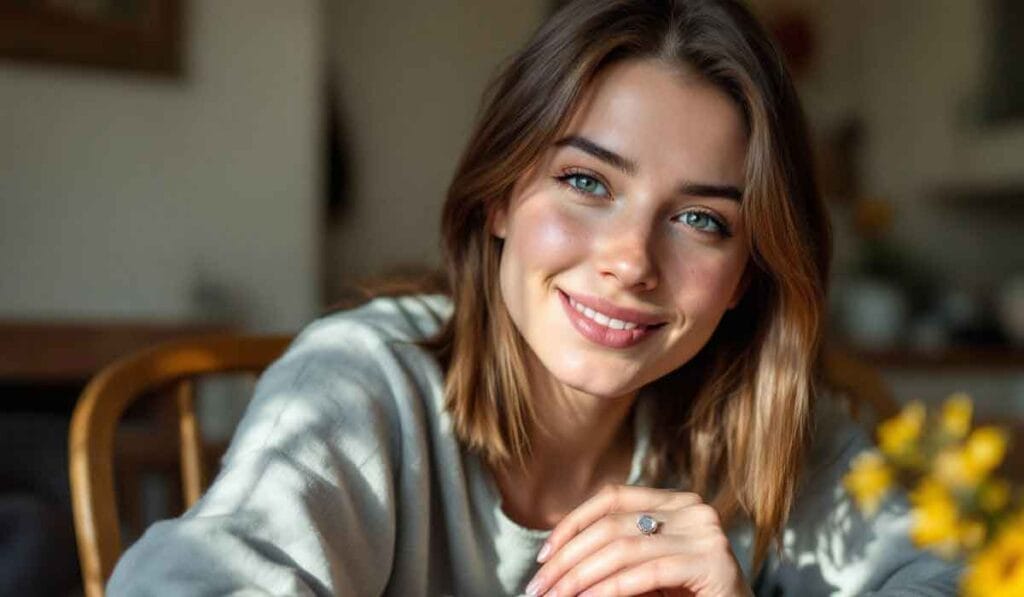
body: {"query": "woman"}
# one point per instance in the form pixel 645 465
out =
pixel 621 395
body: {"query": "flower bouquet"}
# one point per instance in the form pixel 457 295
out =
pixel 960 508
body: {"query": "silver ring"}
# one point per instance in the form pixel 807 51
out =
pixel 647 524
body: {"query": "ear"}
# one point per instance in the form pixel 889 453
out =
pixel 497 221
pixel 741 288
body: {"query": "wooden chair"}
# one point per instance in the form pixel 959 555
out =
pixel 173 365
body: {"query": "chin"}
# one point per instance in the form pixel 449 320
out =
pixel 606 386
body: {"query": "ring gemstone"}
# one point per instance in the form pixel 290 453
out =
pixel 647 524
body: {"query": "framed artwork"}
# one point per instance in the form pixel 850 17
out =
pixel 135 35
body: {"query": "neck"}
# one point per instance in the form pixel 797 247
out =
pixel 578 444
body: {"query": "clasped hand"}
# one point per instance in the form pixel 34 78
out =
pixel 597 548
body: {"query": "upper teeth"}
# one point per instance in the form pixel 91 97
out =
pixel 601 318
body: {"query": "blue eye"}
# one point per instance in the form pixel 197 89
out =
pixel 585 184
pixel 704 222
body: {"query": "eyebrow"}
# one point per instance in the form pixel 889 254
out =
pixel 697 189
pixel 630 167
pixel 605 155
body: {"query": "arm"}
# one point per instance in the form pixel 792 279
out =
pixel 304 503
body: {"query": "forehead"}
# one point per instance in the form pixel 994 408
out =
pixel 666 118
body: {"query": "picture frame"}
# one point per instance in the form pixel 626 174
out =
pixel 143 36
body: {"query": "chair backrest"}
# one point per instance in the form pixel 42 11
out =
pixel 99 409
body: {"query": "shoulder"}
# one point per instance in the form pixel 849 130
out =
pixel 362 340
pixel 836 435
pixel 351 370
pixel 409 317
pixel 384 320
pixel 318 468
pixel 828 545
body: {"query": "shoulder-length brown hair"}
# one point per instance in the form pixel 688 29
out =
pixel 734 421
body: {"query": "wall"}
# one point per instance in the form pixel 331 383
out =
pixel 124 196
pixel 913 71
pixel 410 76
pixel 924 65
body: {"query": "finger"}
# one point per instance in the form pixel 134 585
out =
pixel 669 572
pixel 694 522
pixel 589 541
pixel 613 498
pixel 618 555
pixel 697 525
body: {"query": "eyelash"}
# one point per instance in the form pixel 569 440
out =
pixel 723 228
pixel 571 173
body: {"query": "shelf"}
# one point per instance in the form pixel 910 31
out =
pixel 70 352
pixel 982 358
pixel 1004 195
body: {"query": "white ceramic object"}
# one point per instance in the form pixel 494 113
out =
pixel 873 313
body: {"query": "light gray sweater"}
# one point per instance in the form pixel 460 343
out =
pixel 345 478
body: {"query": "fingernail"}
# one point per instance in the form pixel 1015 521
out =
pixel 532 588
pixel 544 553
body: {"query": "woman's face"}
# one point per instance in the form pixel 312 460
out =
pixel 625 245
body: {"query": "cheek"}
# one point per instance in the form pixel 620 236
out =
pixel 707 283
pixel 543 237
pixel 541 241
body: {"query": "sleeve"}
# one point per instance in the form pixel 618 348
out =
pixel 829 548
pixel 304 503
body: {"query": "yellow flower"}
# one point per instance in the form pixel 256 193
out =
pixel 935 521
pixel 994 495
pixel 986 447
pixel 956 415
pixel 971 534
pixel 954 468
pixel 998 570
pixel 969 465
pixel 868 481
pixel 897 437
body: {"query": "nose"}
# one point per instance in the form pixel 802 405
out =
pixel 626 256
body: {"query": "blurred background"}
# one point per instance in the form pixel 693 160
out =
pixel 169 167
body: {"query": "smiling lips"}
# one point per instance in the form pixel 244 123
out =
pixel 606 324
